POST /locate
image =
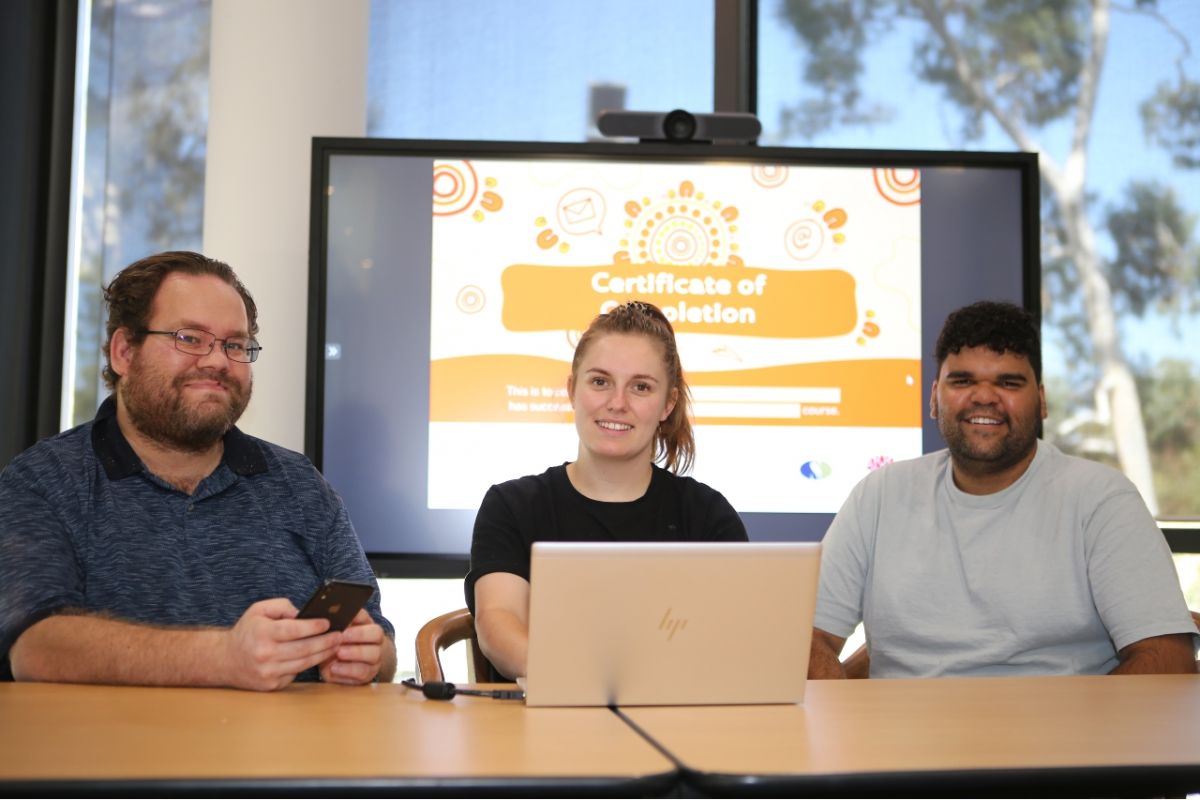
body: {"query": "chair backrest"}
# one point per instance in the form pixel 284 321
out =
pixel 1196 619
pixel 441 632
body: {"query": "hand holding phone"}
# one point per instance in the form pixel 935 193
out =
pixel 337 601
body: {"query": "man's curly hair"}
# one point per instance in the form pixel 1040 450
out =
pixel 1002 327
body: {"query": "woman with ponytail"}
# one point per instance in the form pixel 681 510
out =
pixel 631 407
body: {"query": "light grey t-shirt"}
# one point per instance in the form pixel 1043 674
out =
pixel 1052 575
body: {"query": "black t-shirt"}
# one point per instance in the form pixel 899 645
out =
pixel 546 507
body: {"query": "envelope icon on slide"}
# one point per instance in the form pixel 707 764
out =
pixel 579 211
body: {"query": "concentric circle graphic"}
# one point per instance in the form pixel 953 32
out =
pixel 679 240
pixel 899 186
pixel 454 187
pixel 769 176
pixel 470 300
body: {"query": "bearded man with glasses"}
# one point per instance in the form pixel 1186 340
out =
pixel 158 544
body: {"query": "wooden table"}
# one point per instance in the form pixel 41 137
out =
pixel 1106 735
pixel 313 738
pixel 1130 736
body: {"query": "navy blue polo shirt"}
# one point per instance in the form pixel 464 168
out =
pixel 84 525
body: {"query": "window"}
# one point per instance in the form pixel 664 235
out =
pixel 1121 282
pixel 142 177
pixel 474 69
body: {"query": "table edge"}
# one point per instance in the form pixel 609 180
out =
pixel 652 784
pixel 1132 780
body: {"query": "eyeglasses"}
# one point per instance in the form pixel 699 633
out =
pixel 199 342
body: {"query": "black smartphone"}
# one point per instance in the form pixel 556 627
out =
pixel 337 601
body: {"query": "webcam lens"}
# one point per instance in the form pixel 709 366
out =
pixel 679 126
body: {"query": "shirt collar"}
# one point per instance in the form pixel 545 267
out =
pixel 243 454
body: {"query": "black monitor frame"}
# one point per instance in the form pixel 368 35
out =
pixel 391 564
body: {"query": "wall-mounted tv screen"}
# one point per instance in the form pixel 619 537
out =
pixel 451 280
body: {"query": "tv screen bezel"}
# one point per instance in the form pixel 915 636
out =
pixel 324 149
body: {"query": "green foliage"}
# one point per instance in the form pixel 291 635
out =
pixel 1176 476
pixel 1171 410
pixel 1171 119
pixel 1024 56
pixel 1171 406
pixel 1157 263
pixel 834 34
pixel 169 186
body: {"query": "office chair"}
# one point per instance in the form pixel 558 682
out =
pixel 441 632
pixel 1196 619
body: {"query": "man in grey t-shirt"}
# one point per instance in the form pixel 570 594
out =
pixel 999 555
pixel 158 544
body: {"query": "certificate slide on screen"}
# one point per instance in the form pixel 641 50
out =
pixel 794 293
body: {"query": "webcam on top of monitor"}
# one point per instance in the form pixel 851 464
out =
pixel 680 127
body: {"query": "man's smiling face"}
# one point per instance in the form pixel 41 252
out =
pixel 988 406
pixel 183 401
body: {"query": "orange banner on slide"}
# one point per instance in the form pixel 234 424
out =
pixel 744 301
pixel 512 388
pixel 499 388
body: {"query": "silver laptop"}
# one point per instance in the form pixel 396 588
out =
pixel 670 624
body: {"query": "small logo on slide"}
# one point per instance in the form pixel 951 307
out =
pixel 815 470
pixel 671 625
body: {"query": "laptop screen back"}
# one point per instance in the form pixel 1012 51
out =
pixel 670 624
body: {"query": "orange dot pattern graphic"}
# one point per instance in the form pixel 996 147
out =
pixel 681 228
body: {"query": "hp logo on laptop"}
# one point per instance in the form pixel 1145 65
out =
pixel 671 625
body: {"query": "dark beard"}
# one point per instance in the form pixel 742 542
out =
pixel 163 417
pixel 1010 450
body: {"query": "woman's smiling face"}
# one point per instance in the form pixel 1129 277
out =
pixel 620 393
